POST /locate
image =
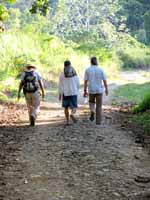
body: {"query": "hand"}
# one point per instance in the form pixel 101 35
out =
pixel 85 93
pixel 106 92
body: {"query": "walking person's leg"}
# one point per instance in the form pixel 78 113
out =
pixel 35 107
pixel 98 108
pixel 66 108
pixel 35 104
pixel 73 106
pixel 73 111
pixel 66 111
pixel 92 106
pixel 28 98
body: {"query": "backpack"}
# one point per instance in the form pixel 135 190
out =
pixel 30 82
pixel 69 72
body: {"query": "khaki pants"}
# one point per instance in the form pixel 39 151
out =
pixel 98 98
pixel 33 103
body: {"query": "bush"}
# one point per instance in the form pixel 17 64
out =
pixel 144 105
pixel 143 120
pixel 135 58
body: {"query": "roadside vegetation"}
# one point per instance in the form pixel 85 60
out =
pixel 138 95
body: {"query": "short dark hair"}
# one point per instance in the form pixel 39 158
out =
pixel 67 63
pixel 94 61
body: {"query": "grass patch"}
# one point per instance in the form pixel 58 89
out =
pixel 135 58
pixel 132 92
pixel 139 94
pixel 144 105
pixel 144 121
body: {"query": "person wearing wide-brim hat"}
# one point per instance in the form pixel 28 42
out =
pixel 31 83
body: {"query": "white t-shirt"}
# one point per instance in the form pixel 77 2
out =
pixel 95 75
pixel 69 86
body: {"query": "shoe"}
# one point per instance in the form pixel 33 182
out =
pixel 32 121
pixel 92 116
pixel 73 118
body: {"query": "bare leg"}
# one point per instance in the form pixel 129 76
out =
pixel 73 111
pixel 67 114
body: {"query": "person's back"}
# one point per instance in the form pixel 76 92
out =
pixel 94 79
pixel 69 86
pixel 68 90
pixel 31 82
pixel 95 76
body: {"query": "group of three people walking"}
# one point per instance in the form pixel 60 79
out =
pixel 94 82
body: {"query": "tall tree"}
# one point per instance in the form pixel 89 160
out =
pixel 85 15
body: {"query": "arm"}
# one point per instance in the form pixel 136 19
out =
pixel 78 83
pixel 42 88
pixel 85 83
pixel 20 88
pixel 85 88
pixel 106 87
pixel 60 87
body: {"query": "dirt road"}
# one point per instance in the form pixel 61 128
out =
pixel 77 162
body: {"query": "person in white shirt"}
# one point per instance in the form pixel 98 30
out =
pixel 68 90
pixel 94 79
pixel 31 82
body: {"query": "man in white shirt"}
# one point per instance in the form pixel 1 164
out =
pixel 31 82
pixel 68 90
pixel 94 79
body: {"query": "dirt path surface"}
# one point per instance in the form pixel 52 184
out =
pixel 78 162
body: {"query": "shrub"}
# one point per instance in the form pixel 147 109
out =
pixel 143 120
pixel 144 105
pixel 135 58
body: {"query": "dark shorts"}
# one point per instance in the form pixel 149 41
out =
pixel 69 101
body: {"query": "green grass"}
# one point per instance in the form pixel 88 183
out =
pixel 132 92
pixel 140 95
pixel 144 105
pixel 134 58
pixel 143 120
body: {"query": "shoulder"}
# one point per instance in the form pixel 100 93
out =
pixel 62 75
pixel 88 69
pixel 37 74
pixel 76 77
pixel 100 69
